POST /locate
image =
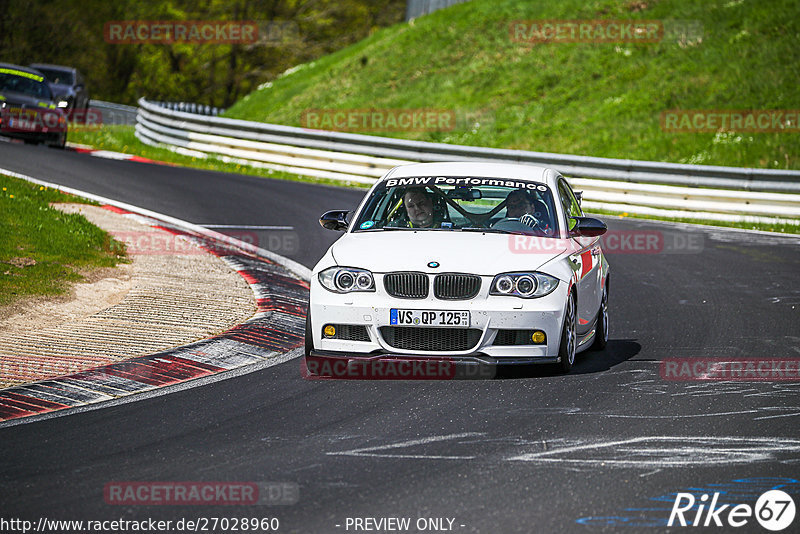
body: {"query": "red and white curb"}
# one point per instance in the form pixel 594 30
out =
pixel 108 154
pixel 281 290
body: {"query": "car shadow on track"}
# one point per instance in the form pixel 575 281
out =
pixel 617 351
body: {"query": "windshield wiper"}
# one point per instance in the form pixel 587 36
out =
pixel 486 230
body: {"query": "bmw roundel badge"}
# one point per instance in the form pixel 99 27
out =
pixel 433 264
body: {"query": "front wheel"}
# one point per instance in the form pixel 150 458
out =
pixel 309 339
pixel 569 337
pixel 61 142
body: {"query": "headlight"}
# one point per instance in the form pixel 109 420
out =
pixel 63 103
pixel 346 279
pixel 525 285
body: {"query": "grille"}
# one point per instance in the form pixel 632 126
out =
pixel 513 337
pixel 350 332
pixel 456 286
pixel 431 339
pixel 406 285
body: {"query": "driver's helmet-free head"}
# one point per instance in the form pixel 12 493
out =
pixel 521 202
pixel 518 203
pixel 423 208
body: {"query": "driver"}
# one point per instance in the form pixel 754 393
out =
pixel 522 205
pixel 518 203
pixel 419 208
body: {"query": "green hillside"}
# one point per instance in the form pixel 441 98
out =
pixel 599 99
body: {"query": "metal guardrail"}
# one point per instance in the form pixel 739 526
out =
pixel 189 107
pixel 723 193
pixel 418 8
pixel 116 114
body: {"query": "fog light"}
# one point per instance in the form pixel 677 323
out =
pixel 329 331
pixel 538 337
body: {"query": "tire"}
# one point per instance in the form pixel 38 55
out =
pixel 309 345
pixel 601 330
pixel 569 338
pixel 61 143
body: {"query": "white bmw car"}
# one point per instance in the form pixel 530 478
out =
pixel 466 262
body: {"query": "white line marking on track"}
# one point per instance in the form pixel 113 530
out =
pixel 667 451
pixel 247 227
pixel 371 451
pixel 650 473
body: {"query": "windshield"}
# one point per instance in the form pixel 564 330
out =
pixel 26 84
pixel 460 204
pixel 57 76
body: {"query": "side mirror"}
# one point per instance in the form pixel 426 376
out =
pixel 334 220
pixel 588 227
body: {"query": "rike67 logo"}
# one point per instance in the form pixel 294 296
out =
pixel 774 510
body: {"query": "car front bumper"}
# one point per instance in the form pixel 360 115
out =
pixel 52 137
pixel 488 315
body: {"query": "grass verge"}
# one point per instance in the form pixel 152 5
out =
pixel 42 249
pixel 597 98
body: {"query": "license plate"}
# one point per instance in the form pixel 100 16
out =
pixel 21 124
pixel 447 319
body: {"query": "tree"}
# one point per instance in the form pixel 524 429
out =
pixel 70 32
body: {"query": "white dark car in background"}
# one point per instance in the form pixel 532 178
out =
pixel 67 84
pixel 27 108
pixel 469 262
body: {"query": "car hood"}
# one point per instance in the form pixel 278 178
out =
pixel 14 99
pixel 454 251
pixel 60 89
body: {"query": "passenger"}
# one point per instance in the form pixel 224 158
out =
pixel 419 208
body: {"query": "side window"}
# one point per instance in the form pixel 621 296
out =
pixel 569 202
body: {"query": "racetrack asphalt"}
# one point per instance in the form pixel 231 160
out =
pixel 603 449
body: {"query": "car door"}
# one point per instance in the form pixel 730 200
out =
pixel 586 261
